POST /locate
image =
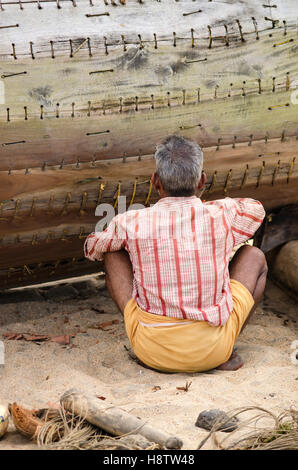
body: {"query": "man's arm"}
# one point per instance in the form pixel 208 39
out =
pixel 113 238
pixel 245 217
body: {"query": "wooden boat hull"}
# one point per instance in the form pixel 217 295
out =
pixel 81 113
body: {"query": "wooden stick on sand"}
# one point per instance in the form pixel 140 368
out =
pixel 114 420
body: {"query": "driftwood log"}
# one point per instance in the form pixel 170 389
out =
pixel 114 420
pixel 87 89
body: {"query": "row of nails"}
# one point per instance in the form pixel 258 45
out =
pixel 124 158
pixel 246 176
pixel 113 2
pixel 84 198
pixel 35 267
pixel 83 205
pixel 168 100
pixel 58 3
pixel 87 41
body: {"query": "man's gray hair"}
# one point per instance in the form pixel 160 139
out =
pixel 179 165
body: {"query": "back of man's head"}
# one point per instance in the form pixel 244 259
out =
pixel 179 165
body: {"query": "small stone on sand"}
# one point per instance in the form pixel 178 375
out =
pixel 208 418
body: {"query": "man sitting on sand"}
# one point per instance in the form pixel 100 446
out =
pixel 167 267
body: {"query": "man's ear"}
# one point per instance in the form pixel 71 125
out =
pixel 155 181
pixel 202 180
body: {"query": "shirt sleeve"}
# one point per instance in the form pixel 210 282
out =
pixel 245 217
pixel 113 238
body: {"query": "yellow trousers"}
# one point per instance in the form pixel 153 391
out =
pixel 174 345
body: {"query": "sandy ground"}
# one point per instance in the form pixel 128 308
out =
pixel 97 361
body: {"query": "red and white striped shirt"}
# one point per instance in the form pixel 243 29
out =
pixel 180 250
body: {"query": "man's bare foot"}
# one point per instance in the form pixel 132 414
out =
pixel 234 363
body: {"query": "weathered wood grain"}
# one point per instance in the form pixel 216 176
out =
pixel 151 70
pixel 56 182
pixel 29 274
pixel 85 99
pixel 70 19
pixel 70 211
pixel 27 144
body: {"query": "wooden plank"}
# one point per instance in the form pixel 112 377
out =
pixel 70 18
pixel 26 144
pixel 43 272
pixel 38 225
pixel 52 244
pixel 151 71
pixel 56 182
pixel 73 177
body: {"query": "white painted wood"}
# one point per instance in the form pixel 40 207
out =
pixel 163 18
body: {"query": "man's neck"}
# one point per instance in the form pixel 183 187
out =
pixel 163 194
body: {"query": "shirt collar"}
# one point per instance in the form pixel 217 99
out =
pixel 169 201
